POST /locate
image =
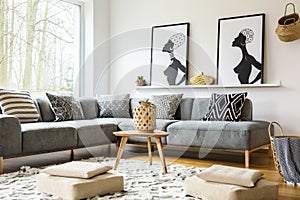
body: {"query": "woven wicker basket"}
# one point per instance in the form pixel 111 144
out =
pixel 201 79
pixel 288 28
pixel 145 117
pixel 275 158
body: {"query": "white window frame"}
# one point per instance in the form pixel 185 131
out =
pixel 79 85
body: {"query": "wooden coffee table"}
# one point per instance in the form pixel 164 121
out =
pixel 133 133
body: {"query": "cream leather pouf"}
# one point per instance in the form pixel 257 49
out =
pixel 197 187
pixel 79 180
pixel 220 182
pixel 79 188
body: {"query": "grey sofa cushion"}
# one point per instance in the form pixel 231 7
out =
pixel 45 109
pixel 94 132
pixel 184 109
pixel 247 110
pixel 89 107
pixel 125 124
pixel 128 124
pixel 192 108
pixel 200 108
pixel 219 134
pixel 48 136
pixel 38 109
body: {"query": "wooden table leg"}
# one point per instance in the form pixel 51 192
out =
pixel 149 150
pixel 120 151
pixel 161 155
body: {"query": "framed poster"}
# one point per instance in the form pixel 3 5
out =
pixel 169 55
pixel 240 55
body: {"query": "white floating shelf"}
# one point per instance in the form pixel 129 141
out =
pixel 264 85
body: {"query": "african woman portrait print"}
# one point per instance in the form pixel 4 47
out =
pixel 171 72
pixel 169 54
pixel 244 68
pixel 241 50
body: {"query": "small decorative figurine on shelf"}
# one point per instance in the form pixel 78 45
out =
pixel 140 81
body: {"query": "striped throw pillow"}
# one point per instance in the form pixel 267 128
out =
pixel 20 104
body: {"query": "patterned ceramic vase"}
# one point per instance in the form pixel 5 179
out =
pixel 145 117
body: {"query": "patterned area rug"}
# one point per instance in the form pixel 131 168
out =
pixel 142 181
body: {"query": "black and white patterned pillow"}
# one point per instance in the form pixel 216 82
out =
pixel 225 107
pixel 65 107
pixel 116 106
pixel 20 104
pixel 166 105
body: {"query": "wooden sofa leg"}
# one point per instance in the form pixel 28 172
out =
pixel 247 159
pixel 1 165
pixel 71 155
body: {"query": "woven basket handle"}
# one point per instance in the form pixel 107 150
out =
pixel 286 7
pixel 269 129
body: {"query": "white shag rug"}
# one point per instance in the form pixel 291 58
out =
pixel 141 181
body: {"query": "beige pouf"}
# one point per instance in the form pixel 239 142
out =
pixel 79 188
pixel 197 187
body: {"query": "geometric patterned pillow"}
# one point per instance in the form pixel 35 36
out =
pixel 225 107
pixel 20 104
pixel 116 106
pixel 166 105
pixel 65 107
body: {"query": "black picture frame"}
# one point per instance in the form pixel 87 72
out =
pixel 169 54
pixel 240 54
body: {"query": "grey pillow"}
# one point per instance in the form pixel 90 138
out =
pixel 46 110
pixel 166 105
pixel 116 106
pixel 65 107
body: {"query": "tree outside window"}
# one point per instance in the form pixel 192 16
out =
pixel 39 45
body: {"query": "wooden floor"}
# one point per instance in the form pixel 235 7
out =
pixel 259 161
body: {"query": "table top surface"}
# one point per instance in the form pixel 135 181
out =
pixel 129 133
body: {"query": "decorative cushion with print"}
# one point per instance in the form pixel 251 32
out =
pixel 65 107
pixel 166 105
pixel 225 107
pixel 116 106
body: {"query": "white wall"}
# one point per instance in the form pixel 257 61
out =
pixel 95 68
pixel 130 37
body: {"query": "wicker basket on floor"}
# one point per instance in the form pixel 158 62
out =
pixel 276 162
pixel 275 157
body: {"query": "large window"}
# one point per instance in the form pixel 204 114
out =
pixel 39 45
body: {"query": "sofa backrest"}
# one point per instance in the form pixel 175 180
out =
pixel 196 108
pixel 46 112
pixel 89 107
pixel 189 108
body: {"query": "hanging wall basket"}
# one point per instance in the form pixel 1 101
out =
pixel 288 28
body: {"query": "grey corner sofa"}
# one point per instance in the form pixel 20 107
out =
pixel 185 131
